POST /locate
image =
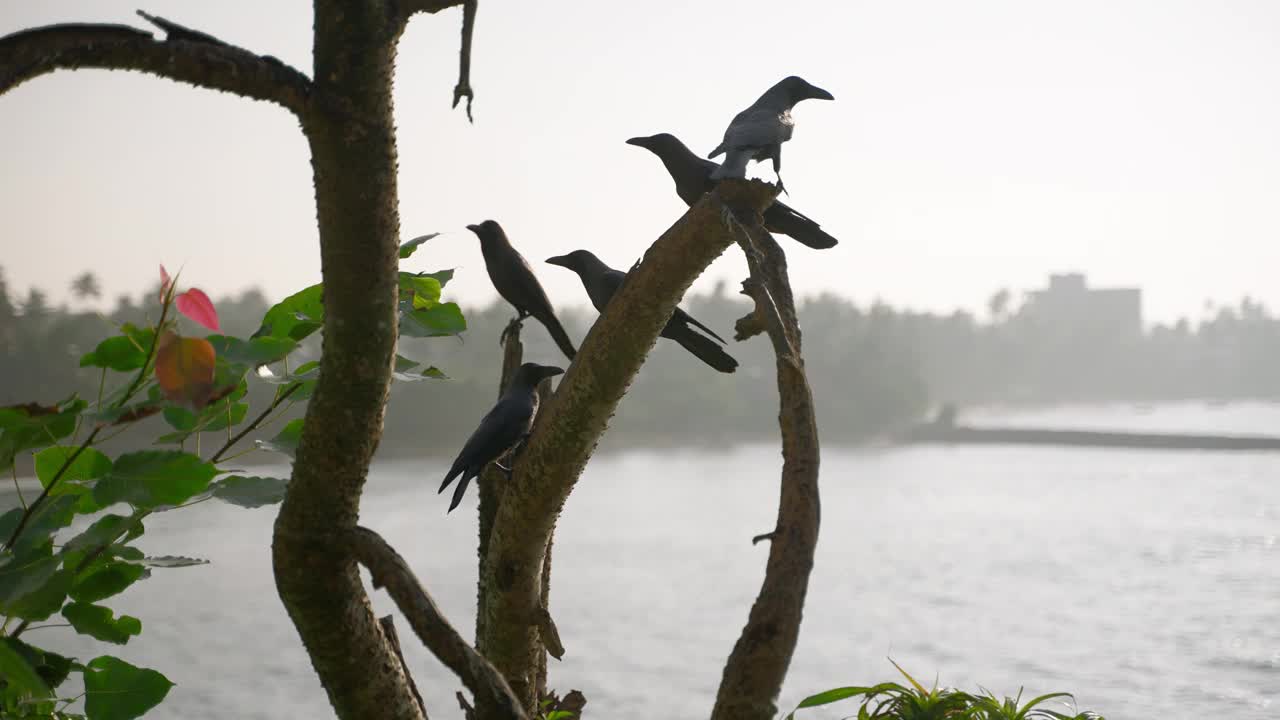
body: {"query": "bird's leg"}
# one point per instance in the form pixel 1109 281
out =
pixel 513 327
pixel 777 170
pixel 513 454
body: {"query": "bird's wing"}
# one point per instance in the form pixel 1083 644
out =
pixel 500 428
pixel 756 127
pixel 602 287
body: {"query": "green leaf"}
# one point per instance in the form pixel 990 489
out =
pixel 424 289
pixel 295 317
pixel 18 672
pixel 439 321
pixel 407 249
pixel 180 418
pixel 101 624
pixel 116 690
pixel 172 561
pixel 51 667
pixel 104 531
pixel 90 464
pixel 31 426
pixel 286 441
pixel 830 696
pixel 253 352
pixel 441 276
pixel 559 715
pixel 251 491
pixel 52 515
pixel 431 373
pixel 33 588
pixel 123 352
pixel 103 581
pixel 151 479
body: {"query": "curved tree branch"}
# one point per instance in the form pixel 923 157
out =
pixel 390 571
pixel 184 55
pixel 571 422
pixel 409 8
pixel 758 665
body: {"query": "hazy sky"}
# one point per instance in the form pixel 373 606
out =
pixel 972 145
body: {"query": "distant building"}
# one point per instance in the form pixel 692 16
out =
pixel 1070 307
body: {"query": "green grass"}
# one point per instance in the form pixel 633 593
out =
pixel 893 701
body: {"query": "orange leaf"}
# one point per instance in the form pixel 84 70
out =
pixel 184 369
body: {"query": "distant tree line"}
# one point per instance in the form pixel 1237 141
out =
pixel 874 369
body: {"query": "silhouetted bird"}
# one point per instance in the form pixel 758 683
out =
pixel 758 132
pixel 602 281
pixel 505 426
pixel 514 280
pixel 692 176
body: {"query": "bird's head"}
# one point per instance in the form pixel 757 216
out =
pixel 487 230
pixel 797 88
pixel 656 144
pixel 577 261
pixel 532 373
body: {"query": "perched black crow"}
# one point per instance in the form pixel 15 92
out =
pixel 602 281
pixel 758 132
pixel 692 176
pixel 501 429
pixel 514 280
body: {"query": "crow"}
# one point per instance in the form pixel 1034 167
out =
pixel 758 132
pixel 505 426
pixel 692 176
pixel 514 280
pixel 602 281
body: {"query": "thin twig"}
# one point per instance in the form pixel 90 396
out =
pixel 256 421
pixel 388 624
pixel 16 487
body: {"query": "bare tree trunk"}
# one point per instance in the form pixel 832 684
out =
pixel 353 153
pixel 757 667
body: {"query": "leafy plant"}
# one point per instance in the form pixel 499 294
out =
pixel 198 386
pixel 893 701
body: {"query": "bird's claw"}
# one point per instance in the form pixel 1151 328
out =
pixel 512 328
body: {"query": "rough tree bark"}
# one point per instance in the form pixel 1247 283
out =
pixel 757 667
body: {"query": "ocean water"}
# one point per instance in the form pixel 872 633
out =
pixel 1145 582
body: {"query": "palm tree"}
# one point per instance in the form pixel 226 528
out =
pixel 86 286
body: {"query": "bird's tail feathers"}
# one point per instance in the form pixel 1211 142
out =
pixel 453 473
pixel 719 149
pixel 780 218
pixel 690 320
pixel 559 335
pixel 459 492
pixel 705 349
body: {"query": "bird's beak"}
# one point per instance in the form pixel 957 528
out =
pixel 639 142
pixel 818 93
pixel 474 228
pixel 561 260
pixel 549 371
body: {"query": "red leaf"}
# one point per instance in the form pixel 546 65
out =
pixel 184 369
pixel 197 306
pixel 165 282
